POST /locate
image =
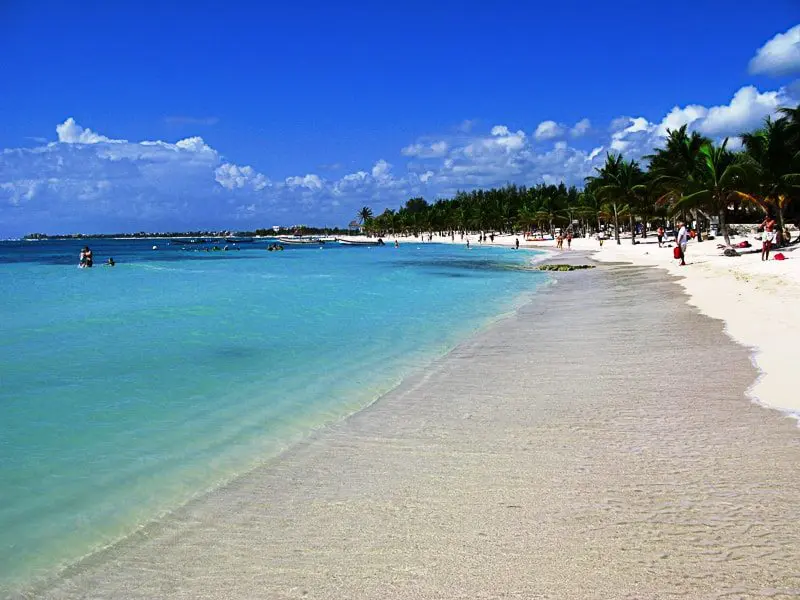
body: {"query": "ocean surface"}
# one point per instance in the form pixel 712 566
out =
pixel 125 391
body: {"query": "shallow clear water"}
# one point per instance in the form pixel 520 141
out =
pixel 125 391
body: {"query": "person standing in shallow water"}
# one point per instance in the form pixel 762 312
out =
pixel 516 244
pixel 86 260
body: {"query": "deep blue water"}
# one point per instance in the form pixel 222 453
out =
pixel 126 391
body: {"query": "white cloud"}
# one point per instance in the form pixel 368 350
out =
pixel 548 130
pixel 633 136
pixel 310 182
pixel 69 132
pixel 381 171
pixel 231 177
pixel 678 117
pixel 779 56
pixel 746 111
pixel 421 150
pixel 581 128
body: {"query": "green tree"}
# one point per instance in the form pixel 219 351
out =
pixel 719 179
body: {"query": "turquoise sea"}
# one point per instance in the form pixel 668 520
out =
pixel 126 391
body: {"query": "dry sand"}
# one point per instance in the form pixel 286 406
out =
pixel 598 444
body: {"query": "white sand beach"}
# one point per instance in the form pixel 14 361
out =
pixel 758 301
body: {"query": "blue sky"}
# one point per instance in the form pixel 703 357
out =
pixel 308 110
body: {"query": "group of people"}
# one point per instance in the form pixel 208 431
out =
pixel 770 236
pixel 561 237
pixel 87 259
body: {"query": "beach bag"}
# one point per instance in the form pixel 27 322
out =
pixel 779 256
pixel 676 252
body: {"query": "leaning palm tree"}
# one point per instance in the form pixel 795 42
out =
pixel 720 178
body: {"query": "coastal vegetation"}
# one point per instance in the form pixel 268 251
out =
pixel 691 177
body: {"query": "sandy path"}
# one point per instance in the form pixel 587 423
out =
pixel 550 456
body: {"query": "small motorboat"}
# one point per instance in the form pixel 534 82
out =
pixel 300 240
pixel 364 242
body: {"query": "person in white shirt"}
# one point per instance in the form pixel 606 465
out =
pixel 682 239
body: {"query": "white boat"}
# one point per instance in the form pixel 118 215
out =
pixel 300 240
pixel 362 242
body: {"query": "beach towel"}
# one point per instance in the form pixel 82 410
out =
pixel 779 256
pixel 744 244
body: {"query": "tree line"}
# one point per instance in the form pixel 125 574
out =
pixel 690 177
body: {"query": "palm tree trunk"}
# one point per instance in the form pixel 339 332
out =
pixel 724 226
pixel 616 225
pixel 633 230
pixel 781 226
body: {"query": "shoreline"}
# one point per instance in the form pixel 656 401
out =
pixel 759 302
pixel 382 457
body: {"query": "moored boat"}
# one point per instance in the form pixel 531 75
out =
pixel 365 242
pixel 300 240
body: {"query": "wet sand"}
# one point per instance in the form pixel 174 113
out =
pixel 598 444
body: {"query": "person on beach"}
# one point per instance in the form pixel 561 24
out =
pixel 768 237
pixel 516 243
pixel 560 241
pixel 569 240
pixel 601 236
pixel 682 240
pixel 660 236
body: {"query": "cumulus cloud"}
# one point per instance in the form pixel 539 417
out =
pixel 581 128
pixel 779 56
pixel 69 132
pixel 548 130
pixel 421 150
pixel 310 182
pixel 232 176
pixel 746 111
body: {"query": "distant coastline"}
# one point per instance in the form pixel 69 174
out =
pixel 258 233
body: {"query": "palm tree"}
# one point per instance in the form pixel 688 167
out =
pixel 776 164
pixel 673 166
pixel 364 215
pixel 620 183
pixel 719 179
